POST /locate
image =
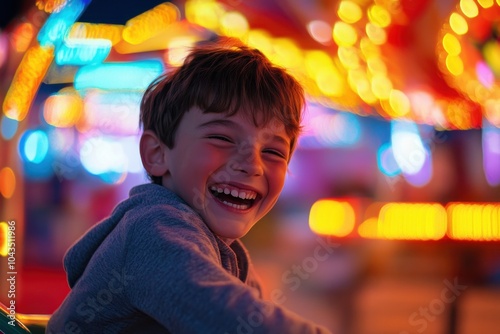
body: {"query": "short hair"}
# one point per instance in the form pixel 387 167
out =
pixel 224 76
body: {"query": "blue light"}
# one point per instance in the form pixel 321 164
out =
pixel 36 146
pixel 58 24
pixel 386 162
pixel 407 146
pixel 34 151
pixel 119 75
pixel 80 51
pixel 8 127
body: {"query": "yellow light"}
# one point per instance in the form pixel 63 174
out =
pixel 485 3
pixel 329 217
pixel 454 64
pixel 474 221
pixel 4 239
pixel 349 11
pixel 7 182
pixel 451 44
pixel 492 111
pixel 113 32
pixel 205 13
pixel 412 221
pixel 399 102
pixel 260 39
pixel 469 8
pixel 22 36
pixel 63 109
pixel 368 48
pixel 458 24
pixel 150 23
pixel 376 66
pixel 317 60
pixel 376 34
pixel 381 86
pixel 234 24
pixel 379 16
pixel 348 57
pixel 330 82
pixel 491 52
pixel 344 34
pixel 178 49
pixel 358 81
pixel 287 53
pixel 26 81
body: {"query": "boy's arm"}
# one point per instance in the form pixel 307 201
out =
pixel 178 281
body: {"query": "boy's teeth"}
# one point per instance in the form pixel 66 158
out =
pixel 234 192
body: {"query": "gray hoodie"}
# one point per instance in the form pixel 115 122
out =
pixel 153 266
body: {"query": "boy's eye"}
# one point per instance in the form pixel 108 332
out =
pixel 220 137
pixel 275 152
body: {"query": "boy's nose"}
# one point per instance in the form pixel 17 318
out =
pixel 248 162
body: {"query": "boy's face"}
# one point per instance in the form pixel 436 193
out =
pixel 227 169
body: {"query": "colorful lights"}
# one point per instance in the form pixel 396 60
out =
pixel 150 23
pixel 469 221
pixel 8 127
pixel 111 112
pixel 320 31
pixel 78 51
pixel 59 23
pixel 412 221
pixel 26 81
pixel 112 32
pixel 105 157
pixel 36 146
pixel 468 56
pixel 135 75
pixel 407 146
pixel 329 217
pixel 63 109
pixel 7 182
pixel 4 239
pixel 491 153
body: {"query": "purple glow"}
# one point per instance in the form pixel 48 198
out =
pixel 424 175
pixel 491 154
pixel 484 74
pixel 386 162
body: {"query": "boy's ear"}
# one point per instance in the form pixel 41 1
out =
pixel 153 154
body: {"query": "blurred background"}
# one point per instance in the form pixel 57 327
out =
pixel 389 221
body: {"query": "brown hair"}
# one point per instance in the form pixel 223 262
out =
pixel 222 77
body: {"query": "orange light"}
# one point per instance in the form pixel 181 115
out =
pixel 150 23
pixel 329 217
pixel 50 6
pixel 113 32
pixel 7 182
pixel 26 81
pixel 22 36
pixel 63 109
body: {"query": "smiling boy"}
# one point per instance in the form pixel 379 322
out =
pixel 218 135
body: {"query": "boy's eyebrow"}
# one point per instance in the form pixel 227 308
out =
pixel 229 123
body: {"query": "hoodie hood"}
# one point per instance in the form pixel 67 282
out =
pixel 80 254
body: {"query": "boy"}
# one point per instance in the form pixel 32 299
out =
pixel 218 135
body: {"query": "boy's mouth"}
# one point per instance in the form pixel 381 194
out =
pixel 241 199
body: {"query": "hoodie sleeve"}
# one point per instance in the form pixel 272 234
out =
pixel 176 278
